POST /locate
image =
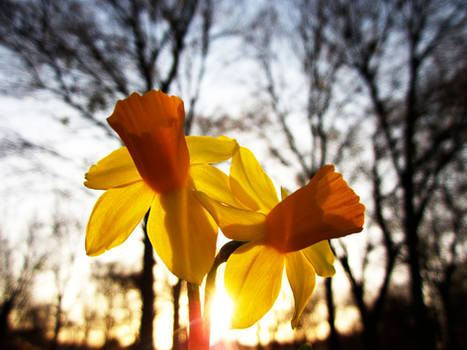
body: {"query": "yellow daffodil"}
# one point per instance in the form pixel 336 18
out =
pixel 156 171
pixel 293 233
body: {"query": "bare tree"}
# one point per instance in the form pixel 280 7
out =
pixel 318 62
pixel 91 53
pixel 445 260
pixel 114 283
pixel 64 233
pixel 443 248
pixel 371 312
pixel 394 50
pixel 18 269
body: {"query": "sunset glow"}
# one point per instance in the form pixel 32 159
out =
pixel 221 313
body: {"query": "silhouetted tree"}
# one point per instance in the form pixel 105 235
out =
pixel 65 233
pixel 389 51
pixel 307 103
pixel 89 54
pixel 18 268
pixel 396 51
pixel 114 284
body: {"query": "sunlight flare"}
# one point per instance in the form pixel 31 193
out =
pixel 221 315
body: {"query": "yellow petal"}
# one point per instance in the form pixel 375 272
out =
pixel 206 149
pixel 253 277
pixel 321 257
pixel 250 184
pixel 183 234
pixel 323 209
pixel 116 169
pixel 115 215
pixel 237 224
pixel 302 280
pixel 214 183
pixel 284 193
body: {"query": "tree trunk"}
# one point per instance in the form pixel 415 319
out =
pixel 58 322
pixel 423 327
pixel 369 334
pixel 176 290
pixel 451 337
pixel 424 332
pixel 5 311
pixel 146 329
pixel 333 335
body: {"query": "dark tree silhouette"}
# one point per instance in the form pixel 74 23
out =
pixel 401 58
pixel 65 233
pixel 19 268
pixel 114 282
pixel 396 51
pixel 318 62
pixel 89 54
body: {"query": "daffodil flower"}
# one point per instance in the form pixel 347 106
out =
pixel 156 171
pixel 293 233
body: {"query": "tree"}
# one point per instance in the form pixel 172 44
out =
pixel 395 52
pixel 61 265
pixel 445 218
pixel 89 54
pixel 19 267
pixel 310 96
pixel 114 282
pixel 390 50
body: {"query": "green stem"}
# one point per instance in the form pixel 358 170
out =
pixel 210 288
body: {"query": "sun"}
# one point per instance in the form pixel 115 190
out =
pixel 221 314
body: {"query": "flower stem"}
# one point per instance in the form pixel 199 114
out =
pixel 198 338
pixel 199 329
pixel 210 288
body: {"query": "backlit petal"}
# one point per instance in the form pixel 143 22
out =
pixel 325 208
pixel 183 234
pixel 151 126
pixel 206 149
pixel 321 257
pixel 214 183
pixel 115 215
pixel 250 184
pixel 302 280
pixel 253 277
pixel 116 169
pixel 237 224
pixel 284 193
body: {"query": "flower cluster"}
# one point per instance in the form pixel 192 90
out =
pixel 172 178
